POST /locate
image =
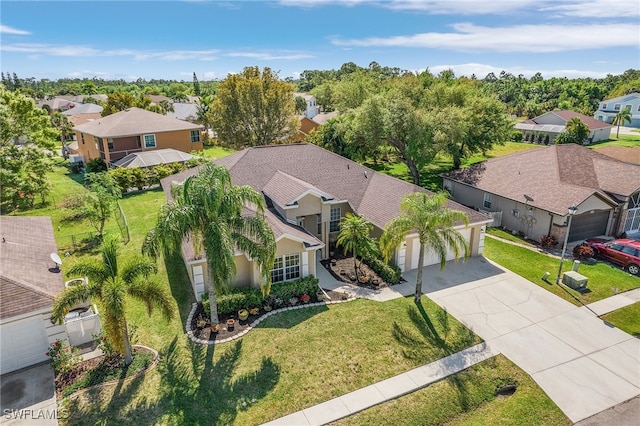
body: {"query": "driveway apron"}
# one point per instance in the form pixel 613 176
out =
pixel 582 363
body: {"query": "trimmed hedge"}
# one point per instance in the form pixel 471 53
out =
pixel 296 288
pixel 389 272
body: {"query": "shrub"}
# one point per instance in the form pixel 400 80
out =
pixel 582 252
pixel 296 288
pixel 62 357
pixel 389 272
pixel 548 241
pixel 96 165
pixel 239 298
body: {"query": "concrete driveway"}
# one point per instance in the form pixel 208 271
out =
pixel 582 363
pixel 27 397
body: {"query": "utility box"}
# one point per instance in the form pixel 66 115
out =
pixel 574 280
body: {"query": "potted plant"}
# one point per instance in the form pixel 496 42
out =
pixel 243 314
pixel 293 300
pixel 254 311
pixel 230 324
pixel 215 328
pixel 305 298
pixel 363 279
pixel 320 295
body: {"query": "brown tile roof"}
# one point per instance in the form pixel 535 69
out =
pixel 567 115
pixel 133 121
pixel 371 194
pixel 556 177
pixel 324 117
pixel 26 283
pixel 628 154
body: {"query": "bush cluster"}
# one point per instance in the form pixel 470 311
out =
pixel 582 252
pixel 239 298
pixel 296 288
pixel 389 272
pixel 141 178
pixel 62 357
pixel 548 241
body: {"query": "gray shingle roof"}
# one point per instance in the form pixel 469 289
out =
pixel 371 194
pixel 556 177
pixel 134 121
pixel 26 283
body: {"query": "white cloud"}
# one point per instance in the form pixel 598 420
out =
pixel 543 38
pixel 85 51
pixel 597 9
pixel 269 56
pixel 481 71
pixel 462 7
pixel 5 29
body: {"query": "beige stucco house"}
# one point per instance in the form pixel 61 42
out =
pixel 532 191
pixel 307 191
pixel 135 130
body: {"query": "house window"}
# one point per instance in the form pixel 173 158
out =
pixel 286 268
pixel 195 136
pixel 638 107
pixel 319 222
pixel 139 141
pixel 629 107
pixel 616 107
pixel 604 106
pixel 82 138
pixel 334 220
pixel 487 201
pixel 149 141
pixel 110 144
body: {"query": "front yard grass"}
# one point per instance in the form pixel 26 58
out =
pixel 605 280
pixel 626 319
pixel 468 399
pixel 500 233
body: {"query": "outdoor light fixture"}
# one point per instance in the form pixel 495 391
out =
pixel 572 211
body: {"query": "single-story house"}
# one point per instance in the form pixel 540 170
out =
pixel 544 128
pixel 135 130
pixel 531 192
pixel 308 190
pixel 153 158
pixel 609 108
pixel 78 109
pixel 29 282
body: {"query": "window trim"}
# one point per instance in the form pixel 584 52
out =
pixel 195 133
pixel 616 107
pixel 82 137
pixel 286 271
pixel 487 200
pixel 155 143
pixel 319 224
pixel 334 224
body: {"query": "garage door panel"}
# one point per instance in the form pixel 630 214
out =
pixel 430 257
pixel 588 225
pixel 22 343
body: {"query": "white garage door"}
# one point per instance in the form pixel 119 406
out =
pixel 22 343
pixel 430 258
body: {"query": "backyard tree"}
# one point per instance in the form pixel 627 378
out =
pixel 62 124
pixel 100 200
pixel 622 117
pixel 433 221
pixel 110 285
pixel 213 213
pixel 26 141
pixel 354 237
pixel 575 132
pixel 254 108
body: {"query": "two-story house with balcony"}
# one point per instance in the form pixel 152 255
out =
pixel 135 130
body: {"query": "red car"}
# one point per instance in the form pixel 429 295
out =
pixel 624 252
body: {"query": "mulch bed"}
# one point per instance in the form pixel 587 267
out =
pixel 341 267
pixel 201 323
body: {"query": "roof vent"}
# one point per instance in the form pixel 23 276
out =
pixel 365 174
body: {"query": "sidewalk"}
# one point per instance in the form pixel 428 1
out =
pixel 386 390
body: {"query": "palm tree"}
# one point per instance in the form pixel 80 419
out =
pixel 623 116
pixel 110 285
pixel 354 236
pixel 426 216
pixel 209 210
pixel 61 123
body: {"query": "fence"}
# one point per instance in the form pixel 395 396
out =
pixel 86 240
pixel 496 216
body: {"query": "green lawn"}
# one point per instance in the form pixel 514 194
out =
pixel 622 140
pixel 468 399
pixel 214 152
pixel 508 236
pixel 603 278
pixel 626 319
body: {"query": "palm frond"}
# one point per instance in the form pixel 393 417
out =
pixel 68 298
pixel 153 295
pixel 138 267
pixel 95 270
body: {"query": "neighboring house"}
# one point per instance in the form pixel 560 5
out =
pixel 78 109
pixel 153 158
pixel 532 191
pixel 156 99
pixel 312 105
pixel 29 282
pixel 608 109
pixel 323 117
pixel 57 104
pixel 306 126
pixel 307 191
pixel 184 111
pixel 544 128
pixel 135 130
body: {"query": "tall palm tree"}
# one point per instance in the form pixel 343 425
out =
pixel 110 285
pixel 428 217
pixel 623 116
pixel 354 236
pixel 210 210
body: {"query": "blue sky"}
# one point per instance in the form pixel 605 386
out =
pixel 173 39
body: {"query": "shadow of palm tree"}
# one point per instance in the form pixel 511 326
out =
pixel 179 283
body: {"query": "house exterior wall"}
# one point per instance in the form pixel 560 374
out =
pixel 179 140
pixel 600 134
pixel 550 118
pixel 607 109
